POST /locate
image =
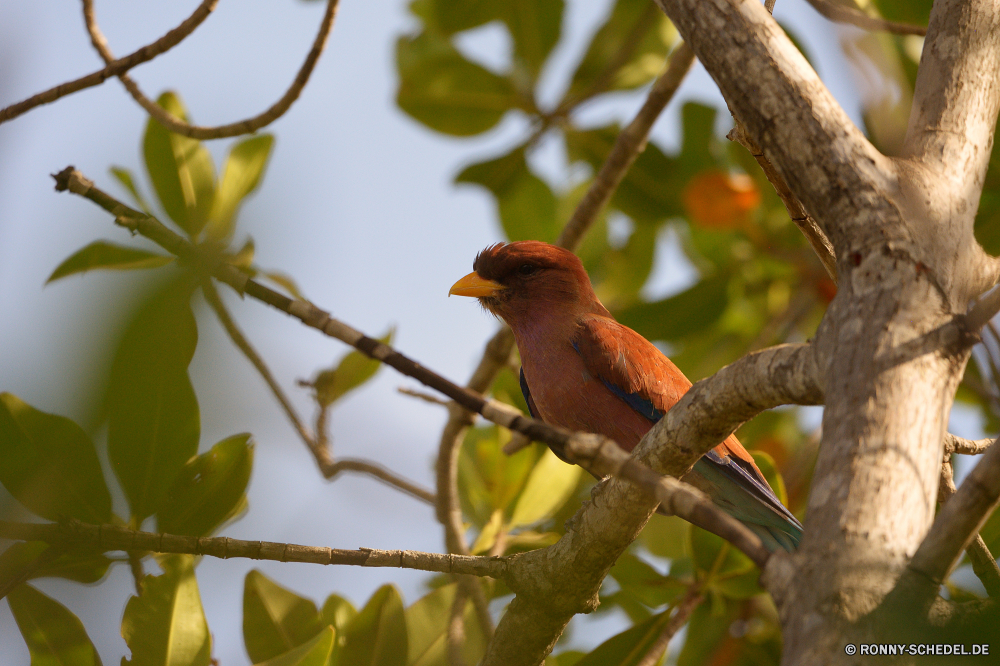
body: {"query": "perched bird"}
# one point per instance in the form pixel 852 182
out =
pixel 582 370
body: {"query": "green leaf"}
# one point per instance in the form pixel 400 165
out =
pixel 153 420
pixel 338 612
pixel 699 137
pixel 534 27
pixel 241 175
pixel 666 536
pixel 451 16
pixel 50 465
pixel 707 630
pixel 275 619
pixel 284 281
pixel 771 474
pixel 181 170
pixel 629 647
pixel 568 658
pixel 53 634
pixel 444 91
pixel 353 370
pixel 645 584
pixel 102 254
pixel 315 652
pixel 209 489
pixel 427 623
pixel 488 479
pixel 125 177
pixel 551 483
pixel 525 202
pixel 165 625
pixel 377 636
pixel 40 560
pixel 688 312
pixel 627 51
pixel 729 572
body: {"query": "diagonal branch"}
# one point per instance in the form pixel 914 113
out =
pixel 839 13
pixel 245 126
pixel 983 564
pixel 114 67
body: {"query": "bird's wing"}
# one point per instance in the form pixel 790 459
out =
pixel 636 371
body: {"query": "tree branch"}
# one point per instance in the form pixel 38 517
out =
pixel 680 617
pixel 245 126
pixel 839 13
pixel 983 564
pixel 113 537
pixel 968 447
pixel 114 67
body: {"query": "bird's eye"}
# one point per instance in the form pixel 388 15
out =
pixel 527 269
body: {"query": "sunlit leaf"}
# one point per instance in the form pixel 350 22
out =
pixel 53 634
pixel 208 489
pixel 315 652
pixel 275 619
pixel 488 535
pixel 718 200
pixel 534 27
pixel 666 536
pixel 525 202
pixel 153 422
pixel 688 312
pixel 427 630
pixel 627 51
pixel 629 647
pixel 102 254
pixel 549 485
pixel 165 625
pixel 180 168
pixel 441 89
pixel 284 281
pixel 488 478
pixel 50 465
pixel 353 370
pixel 338 612
pixel 125 177
pixel 240 176
pixel 378 635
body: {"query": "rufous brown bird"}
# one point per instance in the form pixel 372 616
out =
pixel 582 370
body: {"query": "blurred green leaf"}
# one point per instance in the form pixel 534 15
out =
pixel 525 202
pixel 50 465
pixel 629 647
pixel 353 370
pixel 209 488
pixel 240 176
pixel 645 584
pixel 916 12
pixel 275 619
pixel 682 314
pixel 698 121
pixel 624 271
pixel 627 51
pixel 444 91
pixel 427 623
pixel 550 484
pixel 153 419
pixel 53 634
pixel 243 259
pixel 378 635
pixel 706 632
pixel 451 16
pixel 102 254
pixel 41 560
pixel 770 471
pixel 180 168
pixel 125 177
pixel 729 572
pixel 165 625
pixel 488 479
pixel 568 658
pixel 315 652
pixel 666 536
pixel 534 27
pixel 338 612
pixel 284 281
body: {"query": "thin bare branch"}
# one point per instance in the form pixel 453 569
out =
pixel 679 618
pixel 420 395
pixel 114 67
pixel 968 447
pixel 331 469
pixel 246 126
pixel 113 537
pixel 839 13
pixel 983 564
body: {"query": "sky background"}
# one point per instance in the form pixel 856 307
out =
pixel 357 205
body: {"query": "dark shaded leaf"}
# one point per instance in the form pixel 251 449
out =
pixel 165 625
pixel 706 632
pixel 698 121
pixel 916 12
pixel 729 572
pixel 444 91
pixel 666 536
pixel 40 560
pixel 377 636
pixel 49 464
pixel 240 176
pixel 526 204
pixel 534 26
pixel 688 312
pixel 275 619
pixel 102 254
pixel 451 16
pixel 627 51
pixel 353 370
pixel 644 583
pixel 53 634
pixel 180 168
pixel 209 489
pixel 153 421
pixel 629 647
pixel 315 652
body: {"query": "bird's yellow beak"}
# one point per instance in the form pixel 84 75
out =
pixel 475 286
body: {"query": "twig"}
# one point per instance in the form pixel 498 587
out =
pixel 984 309
pixel 373 469
pixel 420 395
pixel 839 13
pixel 138 572
pixel 983 564
pixel 114 67
pixel 246 126
pixel 820 244
pixel 113 537
pixel 680 617
pixel 968 447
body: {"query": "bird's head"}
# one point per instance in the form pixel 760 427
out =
pixel 526 279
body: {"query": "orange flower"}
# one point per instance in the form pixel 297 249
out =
pixel 718 200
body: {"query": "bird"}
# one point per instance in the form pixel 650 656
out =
pixel 584 371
